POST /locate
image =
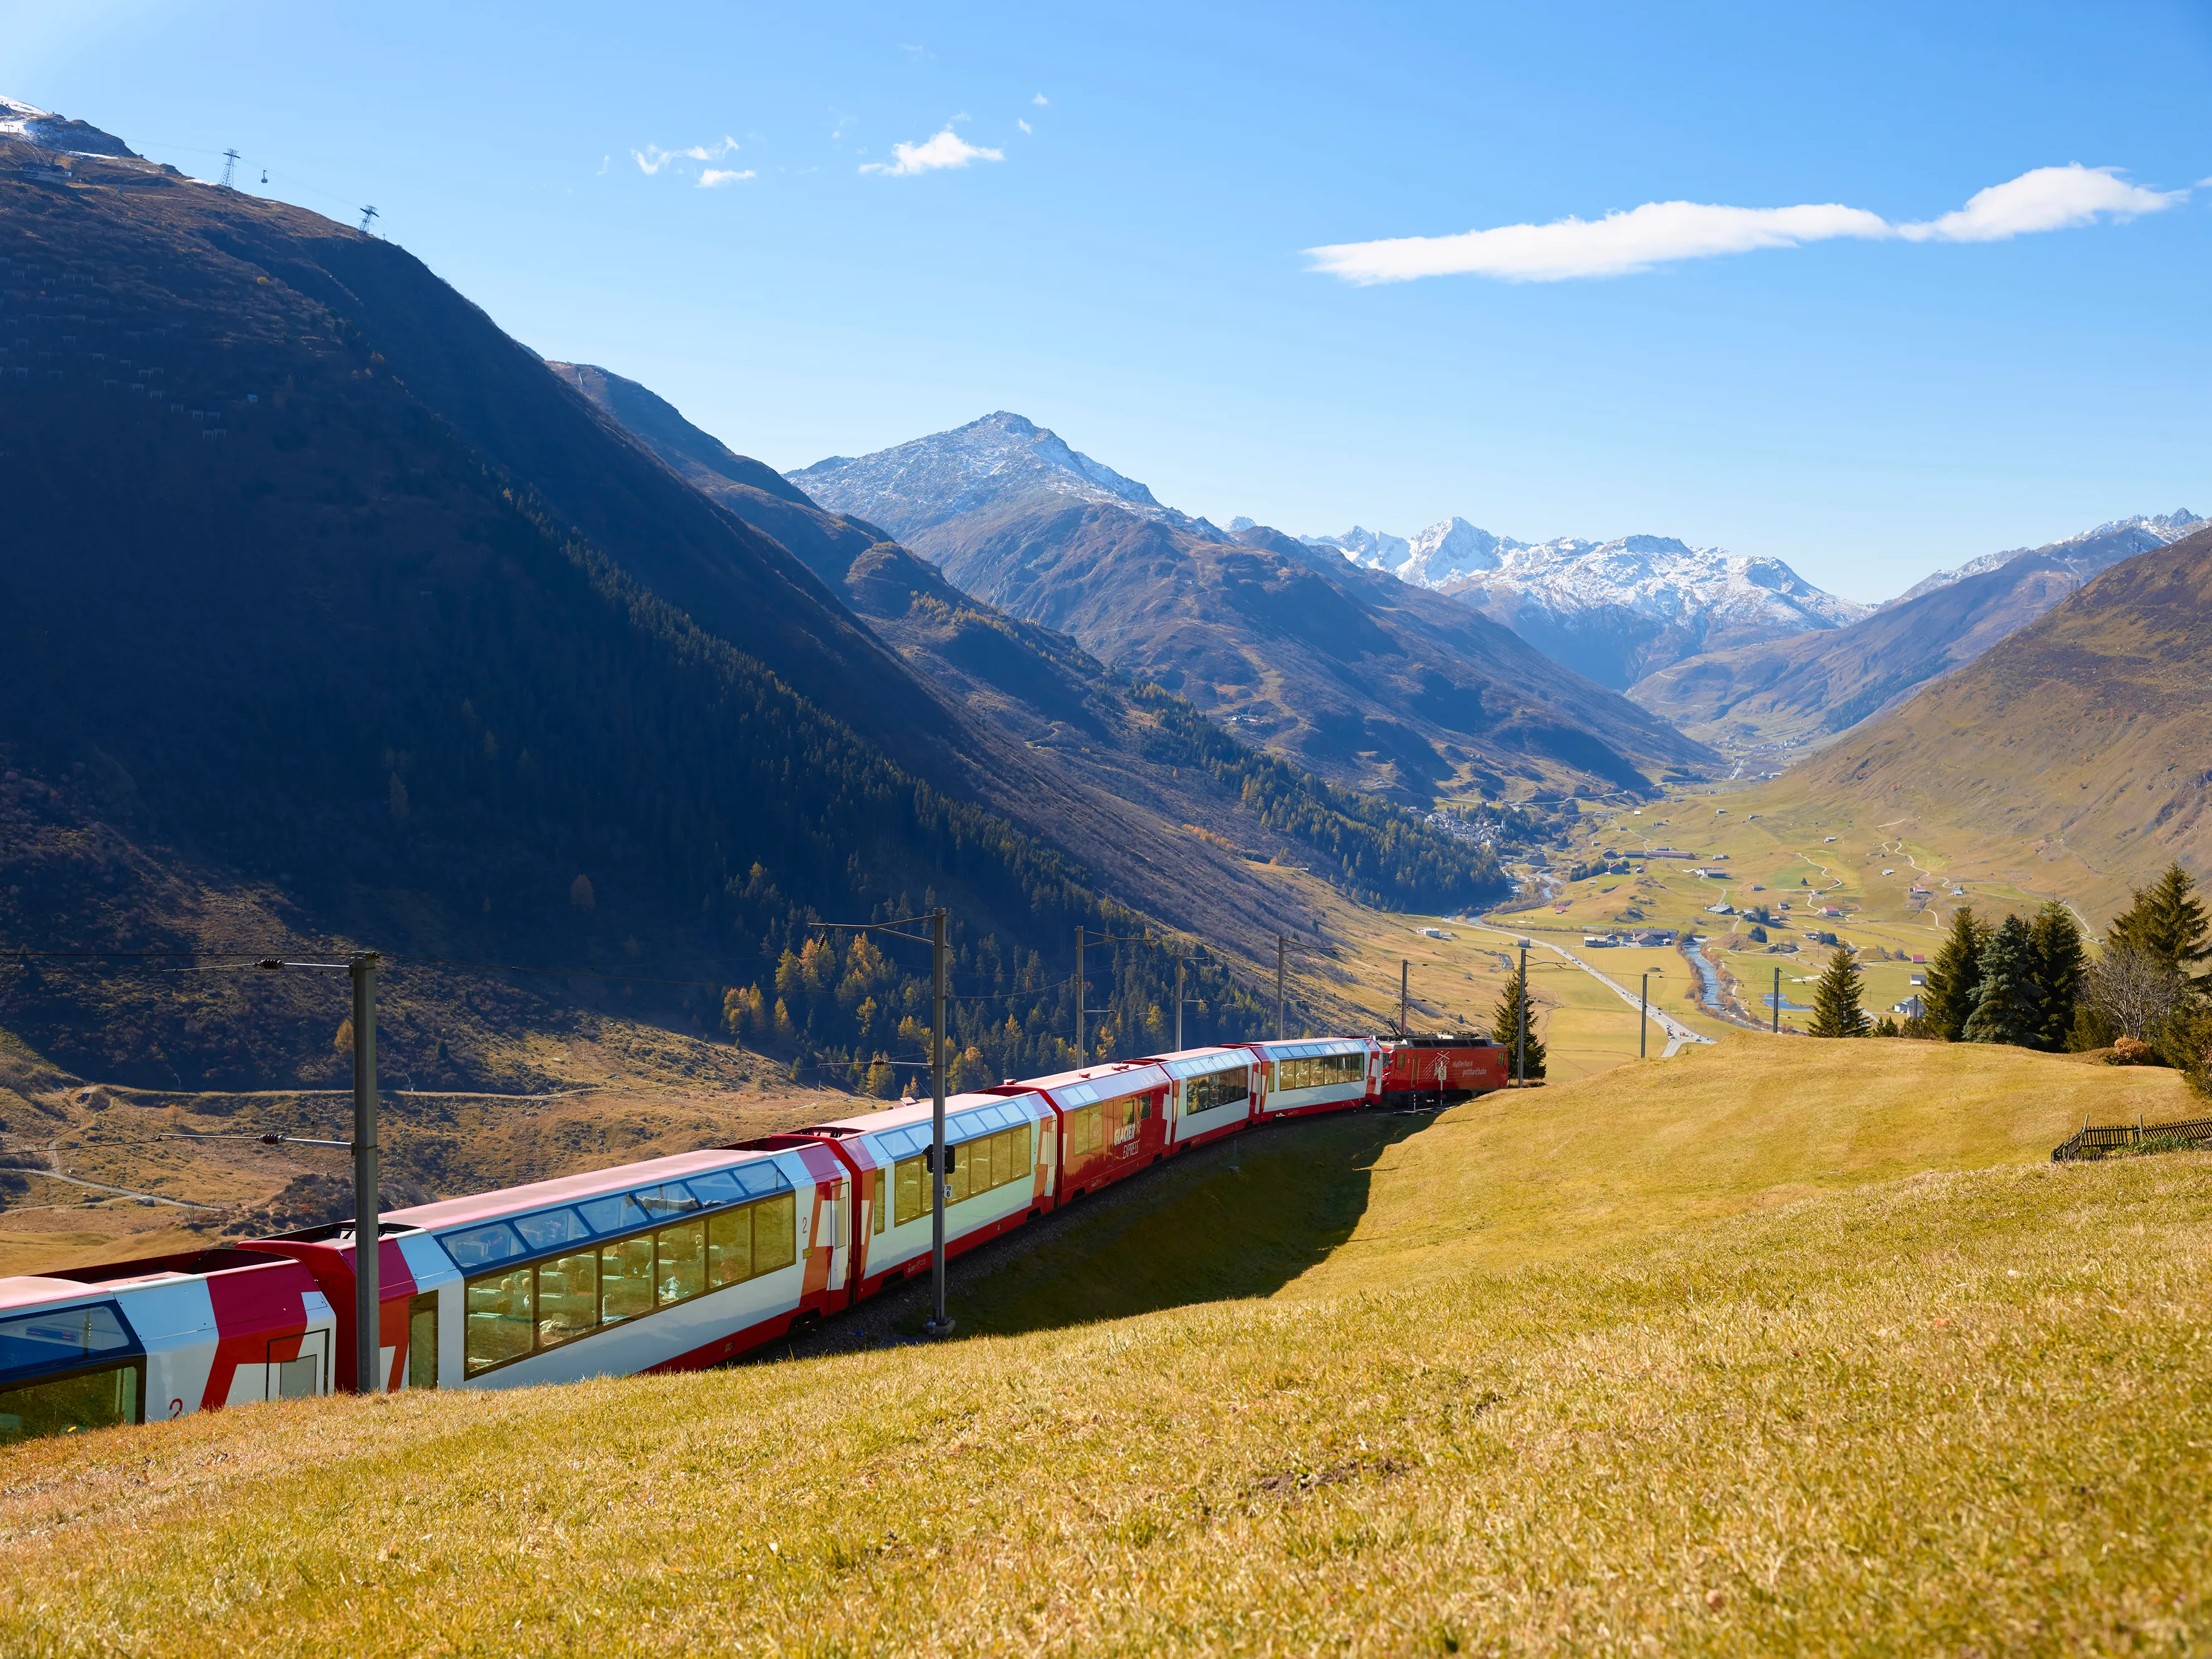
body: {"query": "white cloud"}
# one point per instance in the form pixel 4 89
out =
pixel 713 177
pixel 1040 100
pixel 652 159
pixel 947 149
pixel 2049 198
pixel 1659 232
pixel 605 161
pixel 1023 124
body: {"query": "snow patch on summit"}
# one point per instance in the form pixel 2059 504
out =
pixel 50 131
pixel 912 486
pixel 1615 609
pixel 2121 538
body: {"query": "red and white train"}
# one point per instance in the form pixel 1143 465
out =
pixel 671 1264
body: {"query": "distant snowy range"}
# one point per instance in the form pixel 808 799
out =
pixel 1614 610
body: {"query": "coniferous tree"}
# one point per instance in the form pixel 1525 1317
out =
pixel 2166 919
pixel 1836 1011
pixel 1506 1024
pixel 2006 1011
pixel 2054 942
pixel 1954 977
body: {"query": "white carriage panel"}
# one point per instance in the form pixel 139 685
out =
pixel 434 1271
pixel 174 1321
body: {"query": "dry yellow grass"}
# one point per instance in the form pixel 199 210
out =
pixel 1948 1411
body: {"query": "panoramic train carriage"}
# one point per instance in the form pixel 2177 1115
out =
pixel 161 1337
pixel 1000 1152
pixel 1442 1069
pixel 1113 1121
pixel 1210 1093
pixel 667 1265
pixel 1319 1074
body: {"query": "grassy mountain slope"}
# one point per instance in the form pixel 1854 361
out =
pixel 337 596
pixel 2085 730
pixel 1810 687
pixel 1928 1411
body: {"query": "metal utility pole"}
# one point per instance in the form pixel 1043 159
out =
pixel 1402 967
pixel 1777 1001
pixel 1643 1028
pixel 1520 1027
pixel 1282 951
pixel 366 214
pixel 1179 966
pixel 369 1343
pixel 229 162
pixel 938 1324
pixel 1081 995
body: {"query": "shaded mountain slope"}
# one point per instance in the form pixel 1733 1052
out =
pixel 2087 727
pixel 1124 775
pixel 342 599
pixel 1808 688
pixel 1365 680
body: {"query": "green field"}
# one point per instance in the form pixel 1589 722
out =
pixel 1740 1353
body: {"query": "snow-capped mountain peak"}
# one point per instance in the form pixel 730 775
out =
pixel 930 480
pixel 50 131
pixel 1615 609
pixel 2092 550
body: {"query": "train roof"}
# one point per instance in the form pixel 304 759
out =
pixel 1308 1048
pixel 1107 1080
pixel 1198 1062
pixel 537 1195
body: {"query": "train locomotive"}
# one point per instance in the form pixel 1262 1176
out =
pixel 673 1263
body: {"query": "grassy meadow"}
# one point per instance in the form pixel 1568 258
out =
pixel 1738 1352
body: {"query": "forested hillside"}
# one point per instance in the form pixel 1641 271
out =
pixel 389 630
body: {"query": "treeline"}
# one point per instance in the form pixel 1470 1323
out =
pixel 2030 982
pixel 1380 854
pixel 852 1015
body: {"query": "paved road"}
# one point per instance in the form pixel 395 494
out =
pixel 1678 1034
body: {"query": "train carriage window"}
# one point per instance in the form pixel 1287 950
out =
pixel 568 1298
pixel 730 1247
pixel 963 1160
pixel 70 1405
pixel 670 1198
pixel 876 1199
pixel 423 1342
pixel 625 1279
pixel 1214 1090
pixel 480 1247
pixel 500 1318
pixel 718 1187
pixel 550 1229
pixel 1002 1158
pixel 1320 1071
pixel 774 1226
pixel 911 1197
pixel 680 1254
pixel 617 1214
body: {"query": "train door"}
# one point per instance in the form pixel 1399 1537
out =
pixel 423 1342
pixel 302 1374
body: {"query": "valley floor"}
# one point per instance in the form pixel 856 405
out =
pixel 1738 1352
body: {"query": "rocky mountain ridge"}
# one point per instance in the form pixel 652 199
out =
pixel 1615 610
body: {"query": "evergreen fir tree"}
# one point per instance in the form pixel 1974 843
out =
pixel 2166 919
pixel 1507 1026
pixel 2054 944
pixel 1954 977
pixel 2006 1010
pixel 1836 1011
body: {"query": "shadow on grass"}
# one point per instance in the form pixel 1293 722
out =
pixel 1240 1218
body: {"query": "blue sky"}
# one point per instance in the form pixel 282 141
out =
pixel 1121 251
